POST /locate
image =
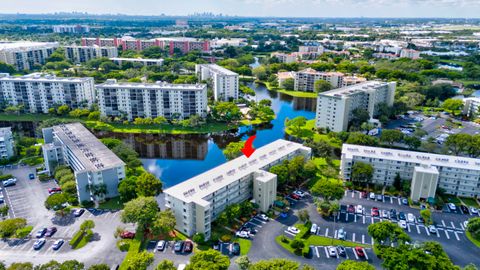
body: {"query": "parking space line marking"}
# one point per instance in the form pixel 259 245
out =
pixel 456 236
pixel 418 229
pixel 399 202
pixel 353 194
pixel 335 234
pixel 326 232
pixel 372 221
pixel 438 233
pixel 363 238
pixel 355 218
pixel 463 228
pixel 326 251
pixel 408 227
pixel 372 241
pixel 391 200
pixel 346 193
pixel 453 225
pixel 346 217
pixel 316 251
pixel 363 219
pixel 426 230
pixel 355 253
pixel 353 237
pixel 289 233
pixel 443 223
pixel 446 234
pixel 365 252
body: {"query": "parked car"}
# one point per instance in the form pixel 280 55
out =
pixel 371 196
pixel 359 209
pixel 38 244
pixel 10 182
pixel 78 212
pixel 464 209
pixel 401 216
pixel 405 201
pixel 2 199
pixel 363 194
pixel 402 224
pixel 341 250
pixel 332 251
pixel 393 214
pixel 178 246
pixel 385 214
pixel 188 246
pixel 57 244
pixel 50 231
pixel 473 210
pixel 242 234
pixel 343 208
pixel 359 251
pixel 127 235
pixel 293 230
pixel 410 218
pixel 314 228
pixel 161 245
pixel 432 229
pixel 342 234
pixel 31 176
pixel 294 196
pixel 54 190
pixel 235 248
pixel 452 207
pixel 263 217
pixel 351 209
pixel 374 212
pixel 379 197
pixel 41 233
pixel 299 193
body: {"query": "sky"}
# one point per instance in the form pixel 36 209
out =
pixel 259 8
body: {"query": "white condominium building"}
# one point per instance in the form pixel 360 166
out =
pixel 38 92
pixel 335 107
pixel 471 106
pixel 74 29
pixel 456 175
pixel 25 55
pixel 82 54
pixel 132 100
pixel 305 79
pixel 141 61
pixel 285 57
pixel 198 201
pixel 6 143
pixel 224 82
pixel 94 165
pixel 412 54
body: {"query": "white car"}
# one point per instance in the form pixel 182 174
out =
pixel 263 217
pixel 242 234
pixel 293 230
pixel 402 224
pixel 385 214
pixel 300 193
pixel 358 209
pixel 452 207
pixel 332 251
pixel 314 228
pixel 473 210
pixel 410 218
pixel 465 224
pixel 371 196
pixel 432 229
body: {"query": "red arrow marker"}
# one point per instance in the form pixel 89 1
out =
pixel 248 147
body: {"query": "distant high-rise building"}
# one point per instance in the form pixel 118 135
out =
pixel 74 29
pixel 25 55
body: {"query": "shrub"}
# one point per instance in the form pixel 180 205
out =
pixel 87 204
pixel 199 238
pixel 285 239
pixel 305 231
pixel 124 244
pixel 23 232
pixel 44 177
pixel 5 177
pixel 297 244
pixel 226 238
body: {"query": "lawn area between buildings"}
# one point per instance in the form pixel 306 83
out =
pixel 245 245
pixel 473 240
pixel 307 131
pixel 299 94
pixel 469 202
pixel 112 204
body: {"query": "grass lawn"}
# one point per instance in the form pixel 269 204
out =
pixel 451 199
pixel 307 131
pixel 470 202
pixel 300 94
pixel 30 117
pixel 135 246
pixel 470 237
pixel 245 245
pixel 112 204
pixel 246 122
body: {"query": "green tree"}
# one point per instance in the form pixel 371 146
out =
pixel 21 266
pixel 164 222
pixel 165 265
pixel 260 72
pixel 148 185
pixel 72 265
pixel 199 238
pixel 303 215
pixel 243 262
pixel 127 189
pixel 233 150
pixel 226 111
pixel 361 139
pixel 55 201
pixel 140 261
pixel 473 227
pixel 288 84
pixel 386 233
pixel 453 105
pixel 391 136
pixel 328 189
pixel 412 142
pixel 142 210
pixel 362 172
pixel 427 216
pixel 458 143
pixel 99 267
pixel 359 116
pixel 63 110
pixel 296 125
pixel 322 86
pixel 354 265
pixel 209 259
pixel 283 264
pixel 282 173
pixel 397 181
pixel 9 226
pixel 87 225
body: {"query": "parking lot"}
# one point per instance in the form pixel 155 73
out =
pixel 26 200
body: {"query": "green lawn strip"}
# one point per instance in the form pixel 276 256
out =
pixel 307 132
pixel 300 94
pixel 112 204
pixel 135 247
pixel 473 240
pixel 80 239
pixel 156 129
pixel 245 245
pixel 470 202
pixel 31 117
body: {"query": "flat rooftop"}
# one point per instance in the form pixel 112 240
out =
pixel 39 77
pixel 89 150
pixel 25 45
pixel 112 83
pixel 202 185
pixel 350 150
pixel 352 89
pixel 135 59
pixel 219 69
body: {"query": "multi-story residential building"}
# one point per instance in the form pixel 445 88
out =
pixel 102 42
pixel 6 143
pixel 26 55
pixel 285 57
pixel 94 165
pixel 283 76
pixel 141 61
pixel 198 201
pixel 132 100
pixel 352 80
pixel 311 49
pixel 412 54
pixel 186 45
pixel 456 175
pixel 389 56
pixel 305 79
pixel 335 107
pixel 471 106
pixel 225 82
pixel 224 42
pixel 82 54
pixel 74 29
pixel 38 92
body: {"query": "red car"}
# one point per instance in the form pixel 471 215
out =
pixel 363 194
pixel 359 251
pixel 127 235
pixel 188 246
pixel 294 196
pixel 375 212
pixel 54 190
pixel 350 209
